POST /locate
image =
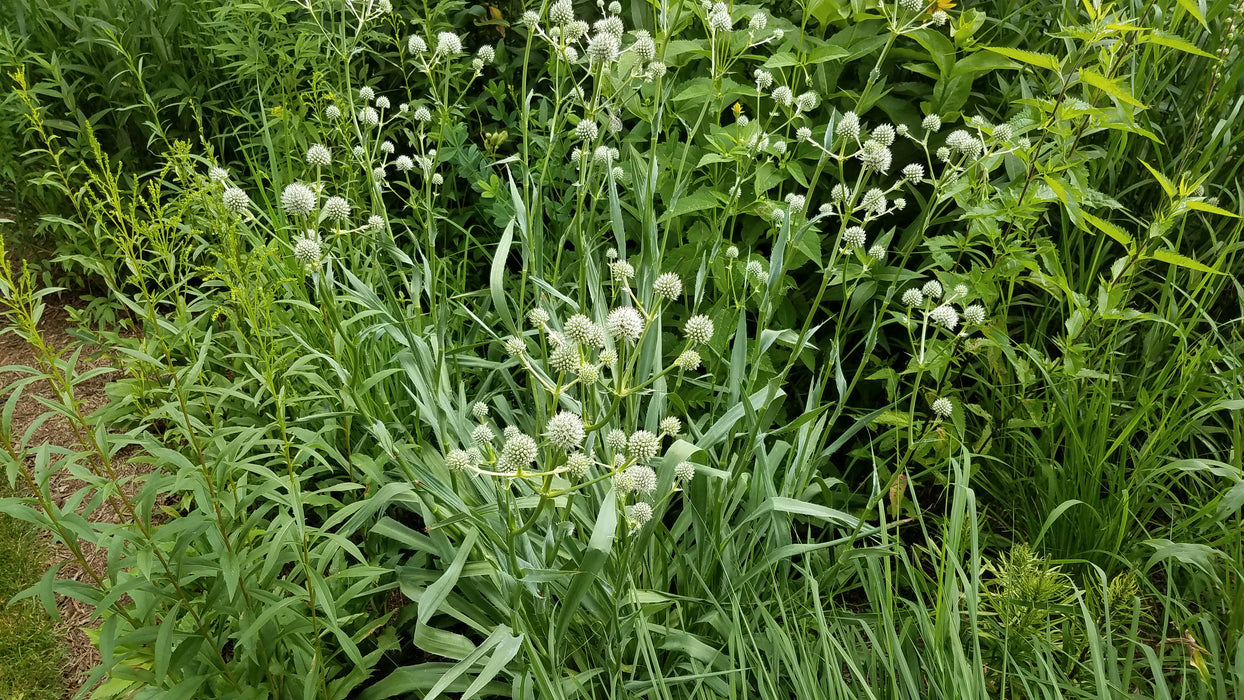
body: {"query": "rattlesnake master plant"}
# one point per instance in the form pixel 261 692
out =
pixel 638 349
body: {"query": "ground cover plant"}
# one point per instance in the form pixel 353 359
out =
pixel 672 350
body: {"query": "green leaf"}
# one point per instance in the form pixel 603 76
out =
pixel 1210 208
pixel 1174 42
pixel 1193 9
pixel 1231 501
pixel 702 198
pixel 1170 256
pixel 439 590
pixel 1199 555
pixel 1167 186
pixel 1109 229
pixel 1032 58
pixel 1110 87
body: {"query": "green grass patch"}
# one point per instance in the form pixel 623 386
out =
pixel 30 651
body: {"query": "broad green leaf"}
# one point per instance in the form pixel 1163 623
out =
pixel 1201 556
pixel 1170 256
pixel 1032 58
pixel 1110 87
pixel 1167 186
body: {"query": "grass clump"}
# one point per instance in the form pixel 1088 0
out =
pixel 30 648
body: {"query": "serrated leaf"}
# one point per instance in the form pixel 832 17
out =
pixel 1032 58
pixel 700 199
pixel 1110 87
pixel 1167 185
pixel 1174 42
pixel 1194 10
pixel 1210 208
pixel 1170 256
pixel 1109 229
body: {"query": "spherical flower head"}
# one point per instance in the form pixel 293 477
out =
pixel 369 117
pixel 684 471
pixel 367 94
pixel 578 464
pixel 625 324
pixel 932 289
pixel 297 199
pixel 486 53
pixel 796 201
pixel 732 252
pixel 387 147
pixel 913 297
pixel 778 147
pixel 840 193
pixel 807 101
pixel 763 79
pixel 754 269
pixel 358 152
pixel 783 95
pixel 873 200
pixel 942 407
pixel 778 34
pixel 602 47
pixel 611 25
pixel 974 314
pixel 404 164
pixel 382 102
pixel 564 358
pixel 849 126
pixel 656 69
pixel 644 47
pixel 643 479
pixel 235 200
pixel 482 435
pixel 960 290
pixel 217 174
pixel 603 155
pixel 480 410
pixel 621 272
pixel 336 209
pixel 874 156
pixel 803 133
pixel 529 19
pixel 537 317
pixel 378 173
pixel 758 22
pixel 308 250
pixel 902 130
pixel 332 113
pixel 943 154
pixel 459 460
pixel 319 156
pixel 877 252
pixel 615 8
pixel 899 204
pixel 667 286
pixel 582 330
pixel 642 445
pixel 940 18
pixel 688 361
pixel 565 430
pixel 932 123
pixel 911 5
pixel 448 44
pixel 608 357
pixel 518 453
pixel 422 115
pixel 586 129
pixel 1003 132
pixel 945 316
pixel 719 19
pixel 510 432
pixel 883 134
pixel 699 329
pixel 616 440
pixel 964 142
pixel 375 222
pixel 575 31
pixel 587 373
pixel 562 12
pixel 670 426
pixel 438 180
pixel 514 346
pixel 641 513
pixel 622 480
pixel 853 237
pixel 913 172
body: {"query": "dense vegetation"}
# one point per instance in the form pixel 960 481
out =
pixel 664 350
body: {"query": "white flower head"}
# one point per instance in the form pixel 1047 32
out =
pixel 943 408
pixel 565 430
pixel 932 289
pixel 670 426
pixel 853 237
pixel 699 329
pixel 688 361
pixel 332 113
pixel 416 45
pixel 369 117
pixel 913 172
pixel 945 316
pixel 668 286
pixel 308 250
pixel 319 156
pixel 644 47
pixel 643 479
pixel 642 445
pixel 641 513
pixel 448 44
pixel 932 123
pixel 297 199
pixel 367 94
pixel 518 453
pixel 217 174
pixel 235 200
pixel 849 126
pixel 913 297
pixel 625 324
pixel 974 314
pixel 336 209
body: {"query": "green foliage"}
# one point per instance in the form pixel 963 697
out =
pixel 863 352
